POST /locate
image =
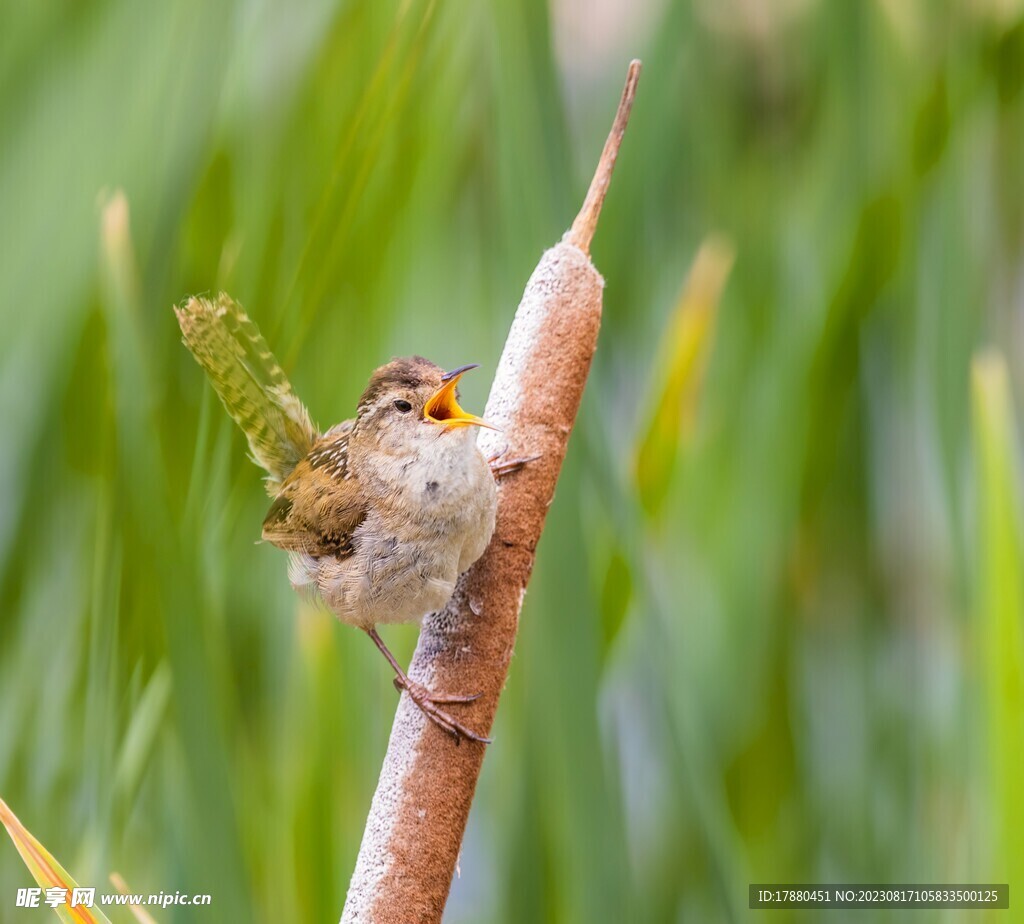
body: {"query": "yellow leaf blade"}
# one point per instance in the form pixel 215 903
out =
pixel 46 871
pixel 679 372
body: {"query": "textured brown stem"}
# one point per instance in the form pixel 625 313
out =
pixel 582 231
pixel 419 811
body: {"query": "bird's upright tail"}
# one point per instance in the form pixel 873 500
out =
pixel 250 382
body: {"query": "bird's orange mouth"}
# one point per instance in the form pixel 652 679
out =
pixel 442 408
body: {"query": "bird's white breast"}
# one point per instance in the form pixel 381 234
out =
pixel 431 517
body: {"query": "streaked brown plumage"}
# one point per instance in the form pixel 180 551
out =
pixel 381 513
pixel 250 383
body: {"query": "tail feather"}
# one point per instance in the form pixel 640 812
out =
pixel 250 383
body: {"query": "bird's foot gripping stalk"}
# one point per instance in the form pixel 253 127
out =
pixel 427 701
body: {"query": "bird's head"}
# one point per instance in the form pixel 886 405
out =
pixel 410 402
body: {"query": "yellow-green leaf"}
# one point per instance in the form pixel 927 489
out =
pixel 47 871
pixel 616 595
pixel 679 372
pixel 1000 602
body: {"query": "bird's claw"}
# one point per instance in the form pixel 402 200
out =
pixel 499 469
pixel 427 702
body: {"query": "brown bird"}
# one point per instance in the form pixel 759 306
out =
pixel 380 514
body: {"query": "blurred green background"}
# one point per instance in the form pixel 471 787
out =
pixel 775 631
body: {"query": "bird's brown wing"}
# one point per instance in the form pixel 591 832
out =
pixel 320 503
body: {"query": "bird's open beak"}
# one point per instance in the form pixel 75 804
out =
pixel 442 407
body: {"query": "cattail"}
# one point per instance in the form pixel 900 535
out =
pixel 414 831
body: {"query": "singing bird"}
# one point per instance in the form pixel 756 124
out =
pixel 381 513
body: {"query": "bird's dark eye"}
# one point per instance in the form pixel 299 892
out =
pixel 402 405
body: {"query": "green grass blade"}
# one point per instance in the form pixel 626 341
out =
pixel 1000 602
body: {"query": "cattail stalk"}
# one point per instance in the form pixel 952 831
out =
pixel 418 816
